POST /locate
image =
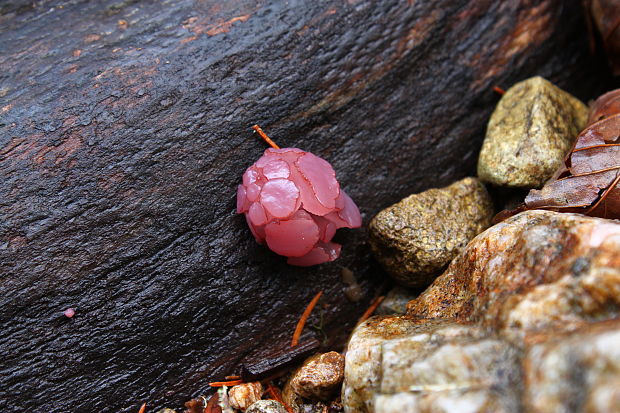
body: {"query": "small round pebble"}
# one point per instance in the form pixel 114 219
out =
pixel 69 312
pixel 266 406
pixel 416 238
pixel 319 377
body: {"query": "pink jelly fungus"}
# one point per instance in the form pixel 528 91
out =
pixel 69 312
pixel 293 203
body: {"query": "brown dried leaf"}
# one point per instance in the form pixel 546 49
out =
pixel 606 17
pixel 588 181
pixel 605 106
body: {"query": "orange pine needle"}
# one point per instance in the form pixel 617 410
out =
pixel 371 309
pixel 143 408
pixel 499 90
pixel 304 317
pixel 275 395
pixel 604 145
pixel 266 138
pixel 233 377
pixel 225 383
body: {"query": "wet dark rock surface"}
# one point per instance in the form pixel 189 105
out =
pixel 124 130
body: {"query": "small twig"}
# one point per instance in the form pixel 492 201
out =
pixel 499 90
pixel 266 138
pixel 304 317
pixel 225 383
pixel 371 309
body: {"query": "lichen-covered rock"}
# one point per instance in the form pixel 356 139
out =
pixel 396 301
pixel 417 237
pixel 526 318
pixel 530 132
pixel 538 270
pixel 318 378
pixel 266 406
pixel 244 395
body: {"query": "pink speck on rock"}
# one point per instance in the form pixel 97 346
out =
pixel 293 203
pixel 69 312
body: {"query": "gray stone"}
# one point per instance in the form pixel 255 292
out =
pixel 531 130
pixel 266 406
pixel 397 364
pixel 576 372
pixel 396 301
pixel 417 237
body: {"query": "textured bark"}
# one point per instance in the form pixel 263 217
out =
pixel 124 130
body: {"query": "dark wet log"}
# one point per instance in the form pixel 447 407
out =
pixel 125 128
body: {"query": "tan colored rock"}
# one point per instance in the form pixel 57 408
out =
pixel 244 395
pixel 318 378
pixel 417 237
pixel 525 319
pixel 538 270
pixel 531 130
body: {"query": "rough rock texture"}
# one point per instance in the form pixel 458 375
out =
pixel 124 130
pixel 266 406
pixel 318 377
pixel 526 319
pixel 531 130
pixel 417 237
pixel 396 301
pixel 538 270
pixel 576 372
pixel 399 364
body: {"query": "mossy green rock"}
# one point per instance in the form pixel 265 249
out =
pixel 531 130
pixel 417 237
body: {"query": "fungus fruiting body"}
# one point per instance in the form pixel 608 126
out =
pixel 293 203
